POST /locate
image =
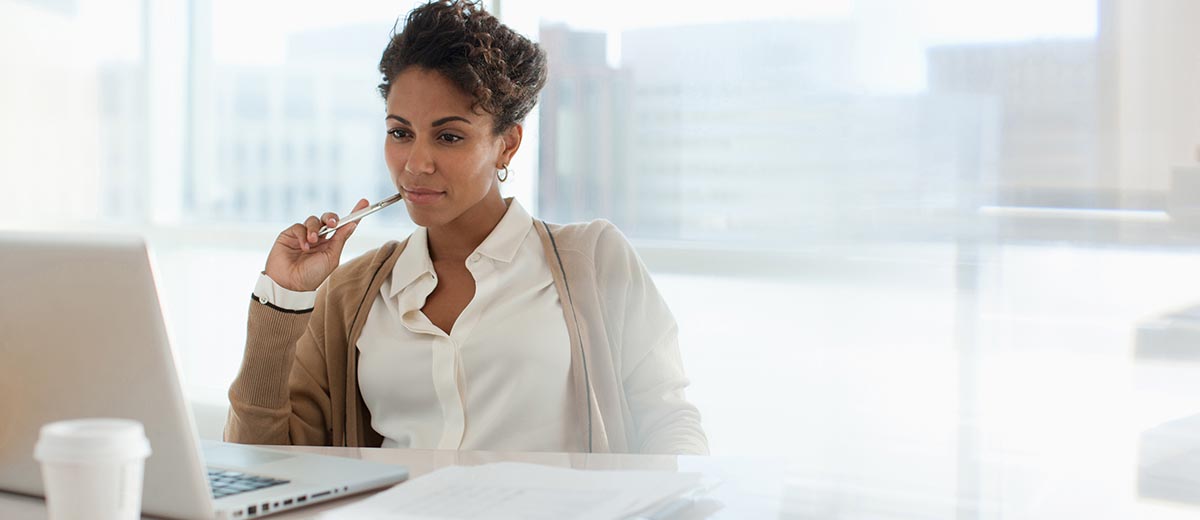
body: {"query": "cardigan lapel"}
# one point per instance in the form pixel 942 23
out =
pixel 589 421
pixel 358 418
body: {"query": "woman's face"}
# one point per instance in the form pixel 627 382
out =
pixel 441 154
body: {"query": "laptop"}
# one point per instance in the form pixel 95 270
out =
pixel 82 335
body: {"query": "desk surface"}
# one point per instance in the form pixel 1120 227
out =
pixel 754 493
pixel 1166 487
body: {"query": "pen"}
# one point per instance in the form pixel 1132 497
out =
pixel 358 215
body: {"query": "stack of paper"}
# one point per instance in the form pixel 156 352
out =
pixel 524 491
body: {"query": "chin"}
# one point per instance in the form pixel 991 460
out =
pixel 426 217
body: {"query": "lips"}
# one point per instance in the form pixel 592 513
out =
pixel 422 195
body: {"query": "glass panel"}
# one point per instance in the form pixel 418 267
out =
pixel 72 113
pixel 287 120
pixel 925 246
pixel 930 248
pixel 874 120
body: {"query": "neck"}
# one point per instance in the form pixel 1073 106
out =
pixel 457 239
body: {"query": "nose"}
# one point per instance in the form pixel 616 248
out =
pixel 420 159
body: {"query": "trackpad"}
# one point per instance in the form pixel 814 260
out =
pixel 232 455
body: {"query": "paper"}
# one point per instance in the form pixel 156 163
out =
pixel 512 490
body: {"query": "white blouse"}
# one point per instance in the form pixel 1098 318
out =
pixel 498 381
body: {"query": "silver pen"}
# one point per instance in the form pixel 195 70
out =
pixel 358 215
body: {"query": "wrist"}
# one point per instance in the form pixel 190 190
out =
pixel 283 282
pixel 283 295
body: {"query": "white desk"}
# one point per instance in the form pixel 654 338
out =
pixel 766 487
pixel 738 473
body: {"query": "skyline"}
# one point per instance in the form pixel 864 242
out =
pixel 337 65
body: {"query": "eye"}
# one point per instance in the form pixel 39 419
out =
pixel 450 138
pixel 398 133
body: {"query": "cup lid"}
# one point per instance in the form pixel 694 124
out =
pixel 92 440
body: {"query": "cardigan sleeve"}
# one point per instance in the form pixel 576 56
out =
pixel 281 393
pixel 651 368
pixel 281 297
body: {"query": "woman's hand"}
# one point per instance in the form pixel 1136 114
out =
pixel 300 260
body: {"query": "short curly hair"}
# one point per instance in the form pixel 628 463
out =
pixel 501 69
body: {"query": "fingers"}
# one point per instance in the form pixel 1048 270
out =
pixel 339 238
pixel 311 226
pixel 329 219
pixel 345 233
pixel 305 234
pixel 295 236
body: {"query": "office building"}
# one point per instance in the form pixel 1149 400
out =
pixel 582 161
pixel 746 131
pixel 274 143
pixel 1047 94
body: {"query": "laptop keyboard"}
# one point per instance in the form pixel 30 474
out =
pixel 225 483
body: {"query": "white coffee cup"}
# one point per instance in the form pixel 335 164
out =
pixel 92 468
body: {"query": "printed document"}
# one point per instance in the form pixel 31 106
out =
pixel 510 490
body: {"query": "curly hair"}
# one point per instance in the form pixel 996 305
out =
pixel 502 70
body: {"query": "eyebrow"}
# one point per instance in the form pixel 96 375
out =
pixel 439 122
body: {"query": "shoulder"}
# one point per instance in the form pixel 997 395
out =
pixel 602 245
pixel 592 238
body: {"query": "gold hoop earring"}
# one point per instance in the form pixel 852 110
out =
pixel 505 176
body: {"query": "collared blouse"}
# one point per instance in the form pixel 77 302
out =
pixel 498 381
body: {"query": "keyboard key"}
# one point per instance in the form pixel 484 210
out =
pixel 226 483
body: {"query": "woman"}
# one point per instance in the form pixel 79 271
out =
pixel 486 328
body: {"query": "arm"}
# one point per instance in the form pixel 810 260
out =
pixel 281 393
pixel 665 421
pixel 651 366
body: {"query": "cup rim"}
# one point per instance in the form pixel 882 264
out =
pixel 92 440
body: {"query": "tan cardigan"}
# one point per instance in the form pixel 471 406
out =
pixel 298 382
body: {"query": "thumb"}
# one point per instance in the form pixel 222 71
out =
pixel 338 241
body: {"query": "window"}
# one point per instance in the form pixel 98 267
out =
pixel 73 105
pixel 286 120
pixel 900 237
pixel 889 230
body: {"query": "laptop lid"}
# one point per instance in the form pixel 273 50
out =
pixel 82 335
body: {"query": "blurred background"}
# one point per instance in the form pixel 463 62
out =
pixel 924 246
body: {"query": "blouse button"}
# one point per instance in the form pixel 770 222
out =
pixel 262 300
pixel 475 257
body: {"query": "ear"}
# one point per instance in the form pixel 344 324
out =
pixel 511 142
